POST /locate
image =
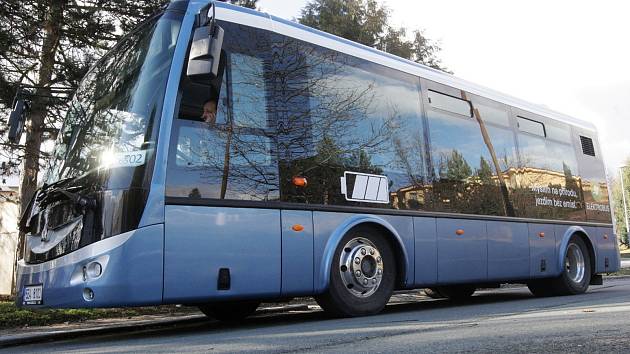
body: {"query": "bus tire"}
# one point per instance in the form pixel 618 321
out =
pixel 456 292
pixel 433 293
pixel 576 274
pixel 230 311
pixel 362 276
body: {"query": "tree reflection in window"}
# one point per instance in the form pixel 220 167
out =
pixel 345 114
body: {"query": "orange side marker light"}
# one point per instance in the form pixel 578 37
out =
pixel 541 234
pixel 299 181
pixel 297 228
pixel 459 232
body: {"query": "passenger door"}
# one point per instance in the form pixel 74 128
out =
pixel 203 242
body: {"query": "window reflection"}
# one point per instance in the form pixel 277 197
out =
pixel 289 109
pixel 465 179
pixel 234 156
pixel 345 114
pixel 547 182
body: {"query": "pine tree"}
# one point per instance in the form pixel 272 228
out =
pixel 251 4
pixel 367 22
pixel 46 48
pixel 457 167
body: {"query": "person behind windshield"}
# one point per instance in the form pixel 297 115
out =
pixel 210 112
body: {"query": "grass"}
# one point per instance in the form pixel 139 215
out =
pixel 14 317
pixel 622 271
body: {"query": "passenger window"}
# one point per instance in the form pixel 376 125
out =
pixel 559 131
pixel 449 103
pixel 493 115
pixel 531 126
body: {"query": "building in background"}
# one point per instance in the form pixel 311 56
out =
pixel 9 210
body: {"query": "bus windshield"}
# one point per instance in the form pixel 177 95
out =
pixel 112 121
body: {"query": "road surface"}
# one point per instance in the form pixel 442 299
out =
pixel 498 321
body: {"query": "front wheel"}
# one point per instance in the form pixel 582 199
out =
pixel 362 276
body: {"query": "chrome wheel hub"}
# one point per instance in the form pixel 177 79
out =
pixel 574 263
pixel 361 267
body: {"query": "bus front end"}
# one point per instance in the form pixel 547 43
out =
pixel 88 242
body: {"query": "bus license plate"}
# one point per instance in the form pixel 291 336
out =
pixel 33 295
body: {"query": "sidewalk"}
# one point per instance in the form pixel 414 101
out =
pixel 27 335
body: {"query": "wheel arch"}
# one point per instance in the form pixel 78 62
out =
pixel 380 224
pixel 564 243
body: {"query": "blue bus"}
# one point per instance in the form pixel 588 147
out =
pixel 220 157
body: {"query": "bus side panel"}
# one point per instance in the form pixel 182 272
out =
pixel 508 250
pixel 608 251
pixel 543 250
pixel 297 253
pixel 462 257
pixel 200 241
pixel 426 251
pixel 325 224
pixel 604 243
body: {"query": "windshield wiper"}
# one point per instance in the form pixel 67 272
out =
pixel 48 192
pixel 78 199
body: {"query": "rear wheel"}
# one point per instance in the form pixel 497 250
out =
pixel 230 311
pixel 576 274
pixel 456 292
pixel 362 275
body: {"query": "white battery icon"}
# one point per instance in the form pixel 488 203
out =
pixel 365 187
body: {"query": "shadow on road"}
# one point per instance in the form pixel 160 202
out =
pixel 485 304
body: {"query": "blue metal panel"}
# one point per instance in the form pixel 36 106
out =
pixel 131 273
pixel 329 228
pixel 201 240
pixel 426 251
pixel 297 253
pixel 508 250
pixel 607 247
pixel 542 248
pixel 154 209
pixel 462 258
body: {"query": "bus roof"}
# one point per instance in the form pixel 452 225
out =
pixel 276 24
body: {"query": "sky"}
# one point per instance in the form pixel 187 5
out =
pixel 570 56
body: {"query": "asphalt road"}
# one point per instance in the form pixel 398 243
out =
pixel 499 321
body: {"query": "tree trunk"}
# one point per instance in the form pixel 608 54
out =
pixel 52 34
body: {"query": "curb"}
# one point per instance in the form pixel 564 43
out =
pixel 31 338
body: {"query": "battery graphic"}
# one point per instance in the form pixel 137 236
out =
pixel 364 187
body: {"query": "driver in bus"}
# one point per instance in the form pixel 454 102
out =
pixel 210 112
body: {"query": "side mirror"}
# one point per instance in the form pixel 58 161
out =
pixel 17 119
pixel 205 51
